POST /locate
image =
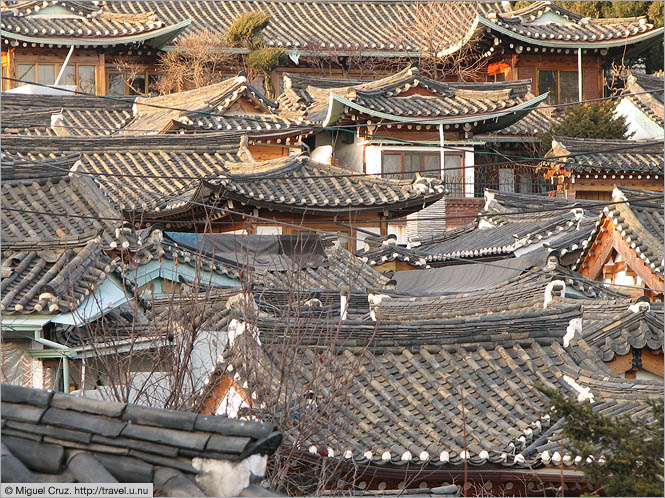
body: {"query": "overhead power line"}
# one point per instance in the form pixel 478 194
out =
pixel 213 114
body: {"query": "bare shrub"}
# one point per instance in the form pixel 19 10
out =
pixel 426 38
pixel 197 60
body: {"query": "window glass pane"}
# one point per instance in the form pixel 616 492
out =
pixel 452 174
pixel 152 80
pixel 526 184
pixel 547 83
pixel 411 164
pixel 5 74
pixel 25 72
pixel 568 80
pixel 87 79
pixel 137 86
pixel 68 76
pixel 392 163
pixel 500 77
pixel 432 165
pixel 116 85
pixel 506 180
pixel 46 73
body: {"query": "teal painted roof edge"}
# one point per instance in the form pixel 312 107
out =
pixel 162 35
pixel 336 110
pixel 571 43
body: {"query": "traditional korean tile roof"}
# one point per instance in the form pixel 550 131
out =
pixel 403 405
pixel 64 114
pixel 74 439
pixel 51 280
pixel 66 22
pixel 120 164
pixel 214 108
pixel 55 210
pixel 164 174
pixel 296 182
pixel 436 102
pixel 510 222
pixel 650 103
pixel 631 329
pixel 343 270
pixel 380 250
pixel 539 121
pixel 610 158
pixel 315 303
pixel 504 238
pixel 331 268
pixel 535 287
pixel 368 27
pixel 547 24
pixel 638 217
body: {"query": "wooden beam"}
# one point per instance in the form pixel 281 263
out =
pixel 621 363
pixel 216 395
pixel 652 361
pixel 600 251
pixel 651 279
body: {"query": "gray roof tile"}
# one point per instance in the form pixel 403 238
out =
pixel 90 423
pixel 135 455
pixel 136 414
pixel 179 439
pixel 25 395
pixel 628 157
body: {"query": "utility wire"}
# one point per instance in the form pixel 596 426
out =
pixel 551 159
pixel 208 113
pixel 639 203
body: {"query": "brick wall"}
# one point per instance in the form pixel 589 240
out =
pixel 465 207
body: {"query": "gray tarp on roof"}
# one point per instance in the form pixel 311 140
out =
pixel 265 252
pixel 464 278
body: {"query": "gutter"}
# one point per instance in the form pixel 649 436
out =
pixel 337 103
pixel 161 36
pixel 571 43
pixel 63 352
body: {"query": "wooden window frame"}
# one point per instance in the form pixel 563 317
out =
pixel 557 70
pixel 58 62
pixel 462 155
pixel 126 88
pixel 401 153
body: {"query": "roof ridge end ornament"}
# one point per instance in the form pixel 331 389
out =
pixel 642 305
pixel 243 150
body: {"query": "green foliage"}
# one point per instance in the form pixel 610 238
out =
pixel 655 14
pixel 624 9
pixel 246 30
pixel 632 449
pixel 265 60
pixel 590 120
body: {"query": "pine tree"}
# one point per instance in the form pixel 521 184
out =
pixel 590 120
pixel 622 456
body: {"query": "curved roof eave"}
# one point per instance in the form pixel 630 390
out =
pixel 337 103
pixel 572 43
pixel 157 38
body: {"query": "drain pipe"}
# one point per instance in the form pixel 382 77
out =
pixel 344 293
pixel 579 73
pixel 64 65
pixel 65 359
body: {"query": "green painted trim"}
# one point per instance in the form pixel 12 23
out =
pixel 26 323
pixel 337 103
pixel 167 270
pixel 510 139
pixel 51 353
pixel 160 37
pixel 640 118
pixel 571 43
pixel 426 143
